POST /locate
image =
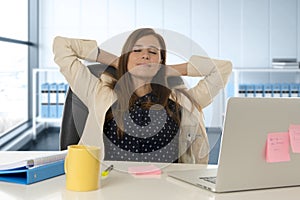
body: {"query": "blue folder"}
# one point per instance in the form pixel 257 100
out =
pixel 285 90
pixel 250 92
pixel 277 92
pixel 53 100
pixel 45 99
pixel 294 90
pixel 268 90
pixel 242 90
pixel 61 94
pixel 258 88
pixel 31 175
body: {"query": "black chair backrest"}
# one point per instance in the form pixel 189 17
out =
pixel 75 112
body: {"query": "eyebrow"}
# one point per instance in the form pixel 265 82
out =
pixel 151 46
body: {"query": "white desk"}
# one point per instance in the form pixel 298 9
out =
pixel 121 185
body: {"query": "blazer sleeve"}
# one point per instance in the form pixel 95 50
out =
pixel 215 75
pixel 67 54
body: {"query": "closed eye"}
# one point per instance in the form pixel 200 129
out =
pixel 153 52
pixel 137 50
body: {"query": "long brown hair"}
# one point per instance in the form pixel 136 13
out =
pixel 125 90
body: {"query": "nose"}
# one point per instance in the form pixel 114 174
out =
pixel 145 54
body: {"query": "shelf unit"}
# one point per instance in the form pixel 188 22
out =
pixel 35 93
pixel 236 81
pixel 238 71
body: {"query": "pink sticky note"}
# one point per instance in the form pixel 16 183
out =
pixel 277 147
pixel 294 131
pixel 144 170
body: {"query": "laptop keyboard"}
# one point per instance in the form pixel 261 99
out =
pixel 209 179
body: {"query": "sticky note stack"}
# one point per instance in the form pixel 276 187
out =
pixel 148 170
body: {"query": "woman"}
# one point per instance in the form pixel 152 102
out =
pixel 137 116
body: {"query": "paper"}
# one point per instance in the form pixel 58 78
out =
pixel 277 147
pixel 144 170
pixel 26 159
pixel 294 132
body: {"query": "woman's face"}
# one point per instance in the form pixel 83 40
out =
pixel 145 57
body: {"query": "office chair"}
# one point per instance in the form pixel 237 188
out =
pixel 75 112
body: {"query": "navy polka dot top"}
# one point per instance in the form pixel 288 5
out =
pixel 150 135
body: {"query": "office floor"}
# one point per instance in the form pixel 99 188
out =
pixel 47 140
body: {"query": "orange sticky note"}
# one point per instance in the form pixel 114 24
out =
pixel 294 131
pixel 144 170
pixel 277 147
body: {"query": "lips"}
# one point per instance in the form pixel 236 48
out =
pixel 144 65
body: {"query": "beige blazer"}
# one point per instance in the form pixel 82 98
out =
pixel 98 97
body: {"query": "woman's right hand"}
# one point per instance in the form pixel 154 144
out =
pixel 107 58
pixel 176 70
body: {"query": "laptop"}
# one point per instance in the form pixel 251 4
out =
pixel 242 161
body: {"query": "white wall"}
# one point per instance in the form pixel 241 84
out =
pixel 248 32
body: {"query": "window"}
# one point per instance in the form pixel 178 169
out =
pixel 14 19
pixel 14 64
pixel 13 85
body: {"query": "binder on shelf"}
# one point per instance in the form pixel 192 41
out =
pixel 61 94
pixel 250 92
pixel 45 99
pixel 294 90
pixel 258 90
pixel 27 168
pixel 53 101
pixel 268 90
pixel 230 88
pixel 242 90
pixel 67 88
pixel 277 90
pixel 285 90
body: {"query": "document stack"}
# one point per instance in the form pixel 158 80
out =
pixel 285 63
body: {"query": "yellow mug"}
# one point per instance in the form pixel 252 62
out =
pixel 82 168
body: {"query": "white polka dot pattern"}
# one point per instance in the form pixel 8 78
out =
pixel 150 135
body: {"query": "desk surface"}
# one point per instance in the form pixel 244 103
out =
pixel 121 185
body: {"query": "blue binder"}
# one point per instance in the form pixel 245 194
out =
pixel 277 92
pixel 285 90
pixel 61 94
pixel 53 100
pixel 230 88
pixel 31 175
pixel 242 90
pixel 66 88
pixel 294 90
pixel 44 100
pixel 250 92
pixel 258 88
pixel 268 90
